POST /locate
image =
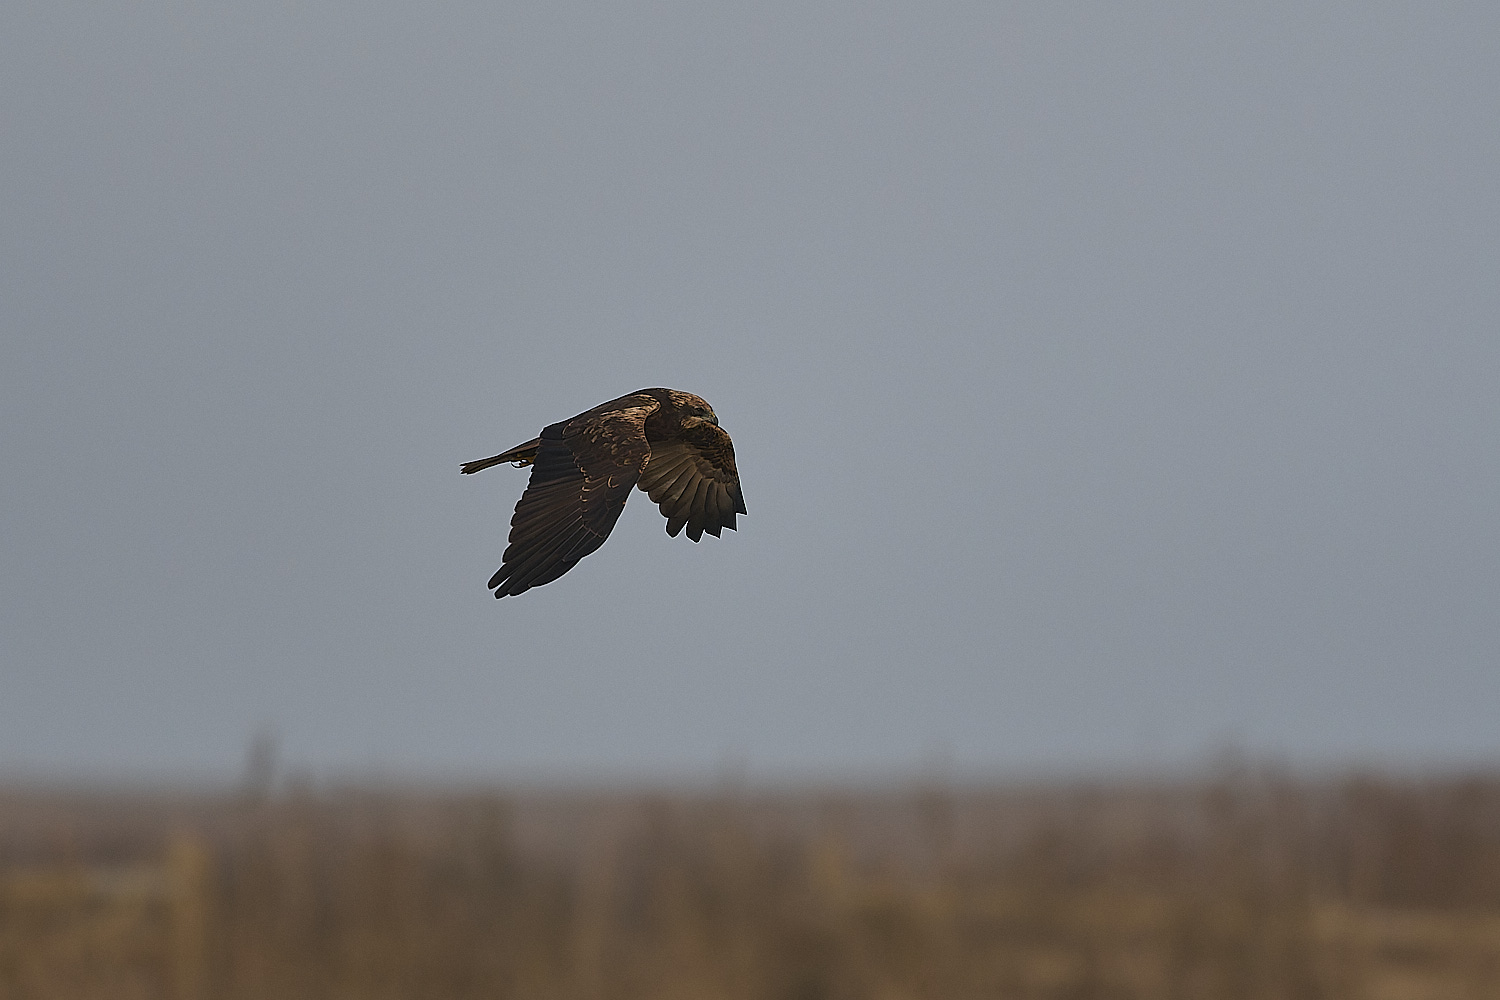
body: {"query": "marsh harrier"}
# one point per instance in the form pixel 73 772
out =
pixel 666 442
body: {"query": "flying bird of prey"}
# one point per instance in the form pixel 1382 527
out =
pixel 666 442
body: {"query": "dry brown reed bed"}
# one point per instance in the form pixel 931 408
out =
pixel 1246 887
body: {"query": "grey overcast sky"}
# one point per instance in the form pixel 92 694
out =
pixel 1110 382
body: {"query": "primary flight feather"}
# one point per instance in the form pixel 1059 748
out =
pixel 666 442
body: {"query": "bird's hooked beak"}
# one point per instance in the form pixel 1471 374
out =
pixel 712 418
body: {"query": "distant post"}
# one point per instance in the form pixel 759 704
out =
pixel 188 885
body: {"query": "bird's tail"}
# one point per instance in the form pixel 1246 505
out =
pixel 521 455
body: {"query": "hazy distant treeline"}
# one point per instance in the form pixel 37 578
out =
pixel 1253 885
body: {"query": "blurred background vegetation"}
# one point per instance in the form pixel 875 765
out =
pixel 1249 884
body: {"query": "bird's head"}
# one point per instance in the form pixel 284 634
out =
pixel 694 406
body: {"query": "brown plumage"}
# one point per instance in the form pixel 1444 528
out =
pixel 666 442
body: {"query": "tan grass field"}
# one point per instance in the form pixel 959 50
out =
pixel 1247 887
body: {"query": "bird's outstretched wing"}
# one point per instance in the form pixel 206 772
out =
pixel 692 477
pixel 585 468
